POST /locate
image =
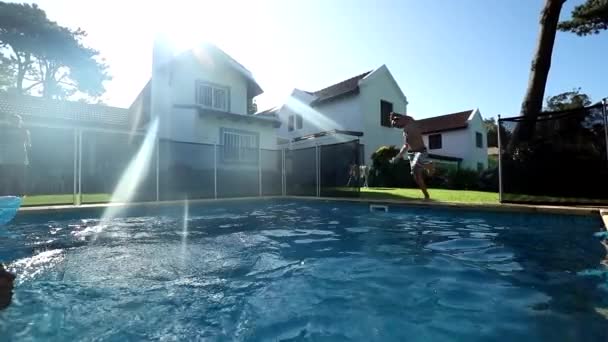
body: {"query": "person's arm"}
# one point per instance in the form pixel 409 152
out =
pixel 402 151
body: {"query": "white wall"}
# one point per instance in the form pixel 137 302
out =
pixel 453 144
pixel 462 144
pixel 188 69
pixel 477 155
pixel 186 125
pixel 342 114
pixel 377 86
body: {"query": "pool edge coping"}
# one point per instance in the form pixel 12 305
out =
pixel 499 207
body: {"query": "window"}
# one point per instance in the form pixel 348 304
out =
pixel 212 96
pixel 290 123
pixel 299 121
pixel 479 139
pixel 385 110
pixel 434 141
pixel 479 167
pixel 240 147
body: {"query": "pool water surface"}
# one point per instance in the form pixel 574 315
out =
pixel 285 270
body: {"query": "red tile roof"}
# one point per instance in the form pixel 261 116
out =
pixel 346 87
pixel 63 111
pixel 446 122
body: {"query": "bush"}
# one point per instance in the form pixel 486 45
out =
pixel 463 179
pixel 385 174
pixel 398 175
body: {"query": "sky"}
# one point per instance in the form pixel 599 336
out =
pixel 446 55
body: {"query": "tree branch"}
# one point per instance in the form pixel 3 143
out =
pixel 32 86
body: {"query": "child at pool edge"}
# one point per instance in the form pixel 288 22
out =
pixel 413 145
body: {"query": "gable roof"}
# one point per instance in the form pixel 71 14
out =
pixel 271 112
pixel 63 111
pixel 346 87
pixel 446 122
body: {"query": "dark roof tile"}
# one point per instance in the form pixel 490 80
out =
pixel 77 112
pixel 446 122
pixel 345 87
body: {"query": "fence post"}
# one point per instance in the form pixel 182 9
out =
pixel 283 174
pixel 605 115
pixel 317 169
pixel 260 169
pixel 157 169
pixel 75 174
pixel 215 171
pixel 79 194
pixel 499 162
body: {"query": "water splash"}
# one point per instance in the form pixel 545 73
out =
pixel 131 177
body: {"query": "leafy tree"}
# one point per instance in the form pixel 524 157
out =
pixel 492 132
pixel 589 18
pixel 252 107
pixel 568 100
pixel 48 57
pixel 7 74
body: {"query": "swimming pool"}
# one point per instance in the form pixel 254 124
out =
pixel 305 270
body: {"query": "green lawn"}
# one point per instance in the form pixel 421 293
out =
pixel 64 199
pixel 439 195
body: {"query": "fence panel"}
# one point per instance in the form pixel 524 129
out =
pixel 558 157
pixel 272 172
pixel 339 169
pixel 301 172
pixel 186 170
pixel 238 172
pixel 109 158
pixel 43 168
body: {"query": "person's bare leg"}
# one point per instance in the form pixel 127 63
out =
pixel 419 179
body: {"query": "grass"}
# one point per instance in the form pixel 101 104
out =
pixel 439 195
pixel 64 199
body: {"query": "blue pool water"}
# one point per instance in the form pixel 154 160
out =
pixel 305 271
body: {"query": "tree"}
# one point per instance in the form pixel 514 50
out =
pixel 541 63
pixel 492 132
pixel 587 19
pixel 47 57
pixel 568 100
pixel 252 107
pixel 7 74
pixel 532 103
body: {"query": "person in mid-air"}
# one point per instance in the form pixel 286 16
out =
pixel 413 145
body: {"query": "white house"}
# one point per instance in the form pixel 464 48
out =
pixel 459 135
pixel 202 96
pixel 356 108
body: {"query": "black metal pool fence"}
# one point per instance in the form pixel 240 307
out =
pixel 555 158
pixel 74 166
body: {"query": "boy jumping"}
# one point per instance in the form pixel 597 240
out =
pixel 414 146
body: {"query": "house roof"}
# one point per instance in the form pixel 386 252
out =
pixel 63 111
pixel 271 112
pixel 343 88
pixel 232 116
pixel 446 122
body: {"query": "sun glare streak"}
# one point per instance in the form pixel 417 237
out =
pixel 185 229
pixel 132 176
pixel 311 115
